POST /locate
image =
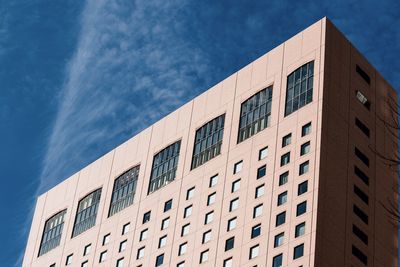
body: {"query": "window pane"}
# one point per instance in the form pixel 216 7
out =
pixel 298 251
pixel 52 232
pixel 86 214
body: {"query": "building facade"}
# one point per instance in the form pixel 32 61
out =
pixel 277 165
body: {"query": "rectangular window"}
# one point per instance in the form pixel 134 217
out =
pixel 231 224
pixel 299 88
pixel 106 239
pixel 301 208
pixel 159 260
pixel 278 240
pixel 237 167
pixel 162 241
pixel 209 217
pixel 285 159
pixel 255 114
pixel 361 175
pixel 125 228
pixel 204 256
pixel 190 193
pixel 362 127
pixel 254 251
pixel 286 140
pixel 302 188
pixel 305 148
pixel 52 232
pixel 283 178
pixel 165 223
pixel 208 141
pixel 181 264
pixel 228 263
pixel 260 190
pixel 282 198
pixel 103 256
pixel 360 214
pixel 168 205
pixel 213 181
pixel 122 246
pixel 143 234
pixel 257 211
pixel 280 218
pixel 306 129
pixel 363 74
pixel 187 211
pixel 263 153
pixel 364 197
pixel 146 217
pixel 235 186
pixel 229 243
pixel 361 156
pixel 359 255
pixel 298 251
pixel 185 229
pixel 234 204
pixel 120 262
pixel 165 163
pixel 206 237
pixel 124 190
pixel 140 253
pixel 360 234
pixel 68 261
pixel 363 100
pixel 304 167
pixel 300 229
pixel 255 230
pixel 86 214
pixel 211 199
pixel 277 260
pixel 261 171
pixel 84 264
pixel 182 249
pixel 87 249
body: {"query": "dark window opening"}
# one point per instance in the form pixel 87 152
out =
pixel 363 74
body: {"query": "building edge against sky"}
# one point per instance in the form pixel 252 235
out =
pixel 275 165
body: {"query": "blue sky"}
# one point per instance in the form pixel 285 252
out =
pixel 78 78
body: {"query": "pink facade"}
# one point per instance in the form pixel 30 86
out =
pixel 329 215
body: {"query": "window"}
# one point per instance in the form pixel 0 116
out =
pixel 255 114
pixel 140 253
pixel 86 214
pixel 299 88
pixel 282 198
pixel 300 229
pixel 213 180
pixel 360 234
pixel 159 260
pixel 301 208
pixel 164 166
pixel 146 217
pixel 185 229
pixel 87 249
pixel 261 171
pixel 229 243
pixel 360 214
pixel 364 197
pixel 208 141
pixel 263 153
pixel 361 175
pixel 362 127
pixel 84 264
pixel 52 232
pixel 234 204
pixel 206 237
pixel 278 240
pixel 254 251
pixel 305 148
pixel 361 156
pixel 303 168
pixel 165 223
pixel 363 74
pixel 302 188
pixel 228 262
pixel 168 205
pixel 277 260
pixel 283 178
pixel 106 239
pixel 280 218
pixel 187 211
pixel 162 241
pixel 53 265
pixel 120 262
pixel 124 190
pixel 256 230
pixel 257 211
pixel 181 264
pixel 260 190
pixel 359 255
pixel 306 129
pixel 143 234
pixel 68 261
pixel 103 256
pixel 285 159
pixel 231 224
pixel 211 199
pixel 235 186
pixel 182 249
pixel 298 251
pixel 286 140
pixel 125 228
pixel 363 100
pixel 237 167
pixel 190 193
pixel 209 217
pixel 204 256
pixel 122 246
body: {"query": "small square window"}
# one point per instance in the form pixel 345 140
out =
pixel 140 253
pixel 283 178
pixel 143 234
pixel 298 251
pixel 300 229
pixel 229 243
pixel 255 230
pixel 181 264
pixel 182 249
pixel 278 240
pixel 165 223
pixel 263 153
pixel 146 217
pixel 122 245
pixel 234 204
pixel 260 190
pixel 228 263
pixel 280 218
pixel 103 256
pixel 261 171
pixel 168 205
pixel 206 237
pixel 185 229
pixel 84 264
pixel 304 167
pixel 363 100
pixel 125 228
pixel 209 217
pixel 306 129
pixel 305 148
pixel 87 249
pixel 277 261
pixel 302 188
pixel 237 167
pixel 120 262
pixel 162 241
pixel 213 181
pixel 159 260
pixel 106 239
pixel 282 198
pixel 211 199
pixel 190 193
pixel 254 251
pixel 231 224
pixel 68 261
pixel 286 140
pixel 285 159
pixel 257 211
pixel 235 186
pixel 204 256
pixel 187 211
pixel 301 208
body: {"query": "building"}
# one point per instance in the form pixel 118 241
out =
pixel 274 166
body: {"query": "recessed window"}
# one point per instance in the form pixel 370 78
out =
pixel 254 251
pixel 280 218
pixel 87 249
pixel 84 264
pixel 234 204
pixel 306 129
pixel 359 255
pixel 106 239
pixel 213 180
pixel 68 261
pixel 208 141
pixel 235 186
pixel 257 211
pixel 305 148
pixel 146 217
pixel 282 198
pixel 190 193
pixel 286 140
pixel 301 208
pixel 122 245
pixel 363 74
pixel 360 234
pixel 206 237
pixel 163 170
pixel 168 205
pixel 360 214
pixel 277 260
pixel 283 178
pixel 255 114
pixel 124 190
pixel 211 199
pixel 103 256
pixel 278 240
pixel 363 196
pixel 363 100
pixel 181 264
pixel 300 229
pixel 204 256
pixel 52 232
pixel 299 88
pixel 256 231
pixel 120 262
pixel 362 127
pixel 187 211
pixel 237 167
pixel 165 223
pixel 162 241
pixel 125 228
pixel 229 243
pixel 140 253
pixel 302 188
pixel 263 153
pixel 159 260
pixel 285 159
pixel 185 229
pixel 232 224
pixel 261 171
pixel 360 174
pixel 228 263
pixel 209 217
pixel 298 251
pixel 143 234
pixel 182 249
pixel 304 167
pixel 361 156
pixel 260 190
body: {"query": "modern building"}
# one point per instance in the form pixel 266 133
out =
pixel 280 164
